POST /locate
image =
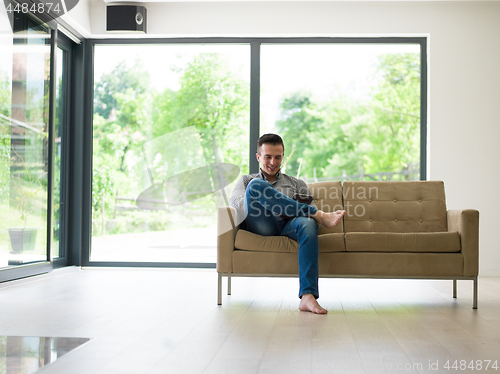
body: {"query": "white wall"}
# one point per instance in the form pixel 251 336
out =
pixel 464 76
pixel 79 18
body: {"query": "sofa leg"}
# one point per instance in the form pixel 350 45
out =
pixel 229 285
pixel 454 288
pixel 474 305
pixel 219 289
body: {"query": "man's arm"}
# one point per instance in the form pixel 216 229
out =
pixel 304 189
pixel 237 198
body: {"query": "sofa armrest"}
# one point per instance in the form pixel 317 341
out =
pixel 466 222
pixel 226 232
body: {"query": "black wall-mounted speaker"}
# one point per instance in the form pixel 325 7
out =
pixel 126 18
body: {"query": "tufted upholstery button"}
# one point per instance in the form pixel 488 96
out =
pixel 395 200
pixel 419 200
pixel 395 220
pixel 369 200
pixel 371 220
pixel 421 220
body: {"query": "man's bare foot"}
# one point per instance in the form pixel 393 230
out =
pixel 328 220
pixel 308 303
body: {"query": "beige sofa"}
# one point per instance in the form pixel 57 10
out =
pixel 390 230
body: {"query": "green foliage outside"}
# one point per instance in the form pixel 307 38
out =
pixel 23 174
pixel 128 114
pixel 5 94
pixel 334 137
pixel 4 164
pixel 212 99
pixel 5 107
pixel 27 189
pixel 59 119
pixel 122 79
pixel 338 136
pixel 342 135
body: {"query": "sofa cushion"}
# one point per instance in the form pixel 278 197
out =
pixel 328 197
pixel 430 242
pixel 417 206
pixel 245 240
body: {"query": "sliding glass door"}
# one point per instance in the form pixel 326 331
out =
pixel 30 149
pixel 24 131
pixel 167 113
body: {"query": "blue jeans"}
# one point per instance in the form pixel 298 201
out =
pixel 262 202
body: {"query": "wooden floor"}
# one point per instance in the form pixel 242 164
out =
pixel 168 321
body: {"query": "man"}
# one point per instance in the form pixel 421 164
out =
pixel 266 200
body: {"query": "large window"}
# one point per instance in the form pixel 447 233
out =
pixel 170 134
pixel 346 111
pixel 167 113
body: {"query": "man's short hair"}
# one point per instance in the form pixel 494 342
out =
pixel 273 139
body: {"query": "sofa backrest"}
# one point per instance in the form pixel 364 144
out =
pixel 418 206
pixel 328 197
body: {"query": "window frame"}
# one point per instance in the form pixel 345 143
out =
pixel 254 123
pixel 45 266
pixel 66 45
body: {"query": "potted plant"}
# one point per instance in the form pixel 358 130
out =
pixel 27 189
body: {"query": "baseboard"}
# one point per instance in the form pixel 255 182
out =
pixel 38 277
pixel 489 273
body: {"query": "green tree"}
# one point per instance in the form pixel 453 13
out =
pixel 129 118
pixel 395 121
pixel 298 120
pixel 113 141
pixel 340 141
pixel 212 99
pixel 5 108
pixel 120 80
pixel 346 135
pixel 121 118
pixel 5 94
pixel 102 186
pixel 324 137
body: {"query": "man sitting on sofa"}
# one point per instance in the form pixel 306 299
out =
pixel 267 201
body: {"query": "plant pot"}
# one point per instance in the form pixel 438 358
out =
pixel 22 239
